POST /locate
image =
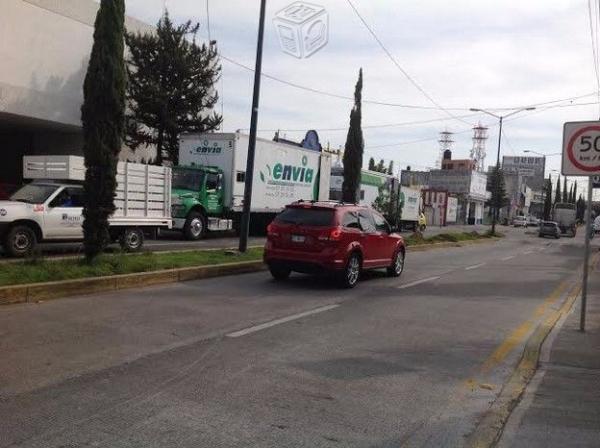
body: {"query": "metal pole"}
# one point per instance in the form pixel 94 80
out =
pixel 245 228
pixel 496 213
pixel 586 259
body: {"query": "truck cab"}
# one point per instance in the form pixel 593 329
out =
pixel 197 200
pixel 41 211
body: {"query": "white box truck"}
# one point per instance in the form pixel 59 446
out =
pixel 208 184
pixel 50 208
pixel 411 207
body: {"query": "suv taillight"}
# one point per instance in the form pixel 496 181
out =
pixel 331 235
pixel 272 231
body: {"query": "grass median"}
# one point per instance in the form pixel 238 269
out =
pixel 418 239
pixel 48 270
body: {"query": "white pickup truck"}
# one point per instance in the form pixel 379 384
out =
pixel 50 208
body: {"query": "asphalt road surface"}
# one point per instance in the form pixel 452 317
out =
pixel 248 362
pixel 174 241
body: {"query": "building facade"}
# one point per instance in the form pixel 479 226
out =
pixel 44 48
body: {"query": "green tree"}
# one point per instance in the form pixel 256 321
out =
pixel 171 87
pixel 581 205
pixel 381 166
pixel 565 194
pixel 390 169
pixel 371 164
pixel 574 199
pixel 353 154
pixel 557 195
pixel 390 205
pixel 103 118
pixel 547 199
pixel 570 194
pixel 498 199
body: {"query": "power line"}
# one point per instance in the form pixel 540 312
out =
pixel 402 70
pixel 373 126
pixel 594 40
pixel 334 95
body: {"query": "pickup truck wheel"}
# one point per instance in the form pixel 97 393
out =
pixel 132 240
pixel 20 241
pixel 195 226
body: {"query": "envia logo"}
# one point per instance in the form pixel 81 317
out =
pixel 289 174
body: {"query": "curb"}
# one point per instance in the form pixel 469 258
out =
pixel 488 431
pixel 36 292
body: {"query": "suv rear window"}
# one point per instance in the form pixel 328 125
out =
pixel 306 216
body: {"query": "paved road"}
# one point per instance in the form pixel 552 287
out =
pixel 247 362
pixel 173 241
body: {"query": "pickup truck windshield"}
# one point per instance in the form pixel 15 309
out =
pixel 33 193
pixel 187 179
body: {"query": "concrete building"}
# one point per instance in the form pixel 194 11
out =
pixel 410 178
pixel 461 180
pixel 44 49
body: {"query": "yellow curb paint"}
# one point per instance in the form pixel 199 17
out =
pixel 520 333
pixel 490 427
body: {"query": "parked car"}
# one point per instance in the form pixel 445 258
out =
pixel 342 239
pixel 520 221
pixel 549 228
pixel 533 221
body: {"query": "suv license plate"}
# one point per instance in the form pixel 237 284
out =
pixel 298 238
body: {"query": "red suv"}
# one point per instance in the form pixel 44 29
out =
pixel 313 237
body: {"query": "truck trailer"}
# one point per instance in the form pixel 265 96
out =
pixel 208 184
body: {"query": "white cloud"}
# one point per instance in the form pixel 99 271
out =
pixel 465 53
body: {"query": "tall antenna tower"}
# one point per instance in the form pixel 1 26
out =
pixel 480 136
pixel 446 142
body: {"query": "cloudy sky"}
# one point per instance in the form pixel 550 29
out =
pixel 463 54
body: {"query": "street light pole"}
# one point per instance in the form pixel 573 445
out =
pixel 245 227
pixel 496 212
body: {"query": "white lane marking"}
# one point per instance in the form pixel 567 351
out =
pixel 283 320
pixel 418 282
pixel 510 257
pixel 470 268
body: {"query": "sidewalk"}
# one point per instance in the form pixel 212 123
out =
pixel 561 406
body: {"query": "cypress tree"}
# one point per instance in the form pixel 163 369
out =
pixel 571 194
pixel 547 199
pixel 390 169
pixel 103 118
pixel 557 196
pixel 574 199
pixel 565 195
pixel 380 167
pixel 171 87
pixel 353 154
pixel 371 164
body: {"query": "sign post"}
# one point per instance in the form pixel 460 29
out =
pixel 581 157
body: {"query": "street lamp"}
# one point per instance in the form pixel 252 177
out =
pixel 501 119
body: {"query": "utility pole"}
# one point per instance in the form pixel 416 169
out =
pixel 245 228
pixel 586 259
pixel 501 118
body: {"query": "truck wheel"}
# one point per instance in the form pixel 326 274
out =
pixel 132 239
pixel 195 226
pixel 20 241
